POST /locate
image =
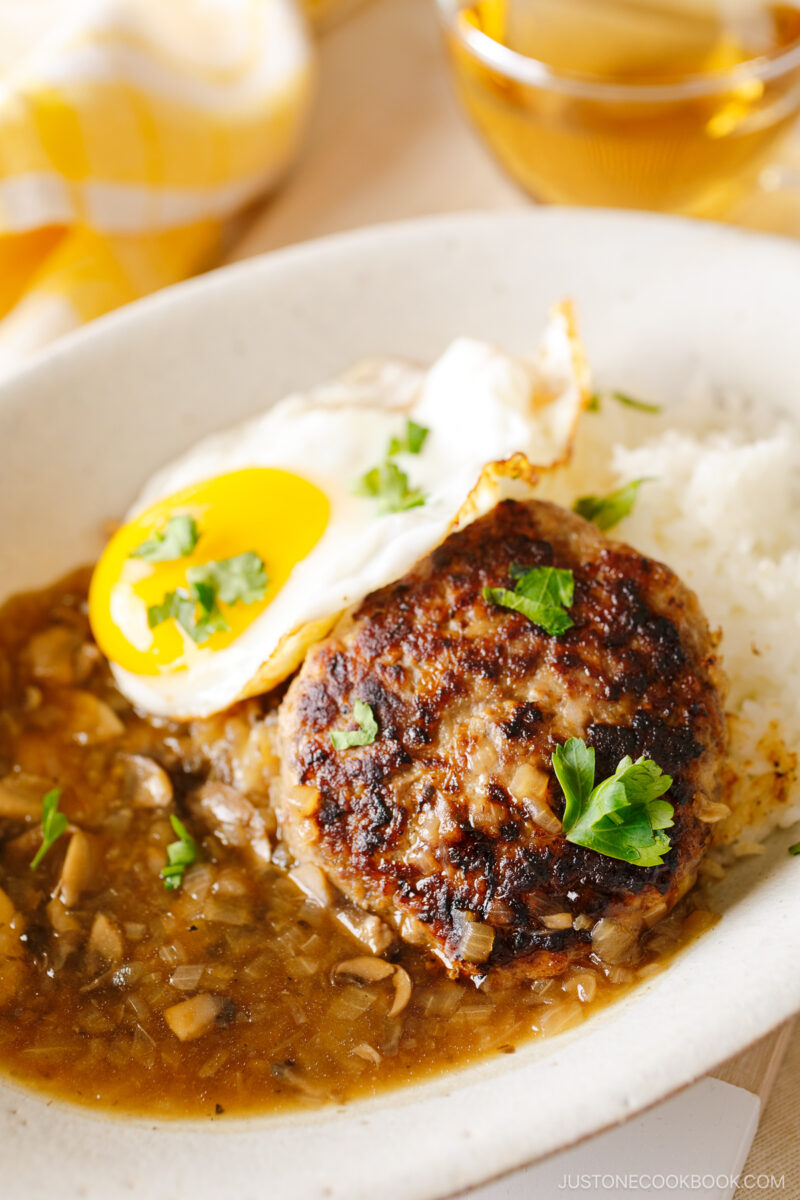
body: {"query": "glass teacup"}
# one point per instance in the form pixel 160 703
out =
pixel 671 105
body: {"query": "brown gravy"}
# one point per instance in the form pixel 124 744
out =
pixel 90 965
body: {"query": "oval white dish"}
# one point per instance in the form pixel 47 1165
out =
pixel 658 300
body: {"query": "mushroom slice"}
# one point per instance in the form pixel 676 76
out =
pixel 50 654
pixel 64 924
pixel 106 945
pixel 146 783
pixel 368 970
pixel 21 796
pixel 232 818
pixel 373 970
pixel 78 868
pixel 368 1053
pixel 402 991
pixel 88 719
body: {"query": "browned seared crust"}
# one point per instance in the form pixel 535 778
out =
pixel 433 820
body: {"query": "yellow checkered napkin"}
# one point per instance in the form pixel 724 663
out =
pixel 128 136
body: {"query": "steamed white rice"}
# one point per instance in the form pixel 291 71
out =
pixel 721 509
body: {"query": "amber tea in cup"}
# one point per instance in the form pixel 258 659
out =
pixel 659 104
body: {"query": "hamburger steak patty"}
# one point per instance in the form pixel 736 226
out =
pixel 449 822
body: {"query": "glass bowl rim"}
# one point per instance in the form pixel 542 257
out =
pixel 533 72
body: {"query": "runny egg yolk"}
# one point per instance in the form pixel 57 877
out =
pixel 275 514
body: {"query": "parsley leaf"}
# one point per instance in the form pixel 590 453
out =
pixel 181 606
pixel 229 580
pixel 632 402
pixel 180 855
pixel 390 485
pixel 542 594
pixel 387 482
pixel 171 608
pixel 176 541
pixel 622 817
pixel 54 823
pixel 607 511
pixel 795 849
pixel 596 402
pixel 343 739
pixel 413 441
pixel 242 577
pixel 550 584
pixel 573 764
pixel 210 621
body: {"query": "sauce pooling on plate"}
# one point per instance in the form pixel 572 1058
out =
pixel 236 991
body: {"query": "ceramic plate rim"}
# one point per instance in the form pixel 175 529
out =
pixel 80 354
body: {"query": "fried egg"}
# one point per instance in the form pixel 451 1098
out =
pixel 306 509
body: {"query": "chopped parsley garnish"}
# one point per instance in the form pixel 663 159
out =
pixel 795 849
pixel 54 823
pixel 182 606
pixel 180 855
pixel 176 606
pixel 387 482
pixel 596 402
pixel 365 735
pixel 596 399
pixel 622 817
pixel 542 594
pixel 390 485
pixel 632 402
pixel 607 511
pixel 242 577
pixel 413 441
pixel 196 609
pixel 178 539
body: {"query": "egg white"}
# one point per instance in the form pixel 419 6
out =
pixel 492 418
